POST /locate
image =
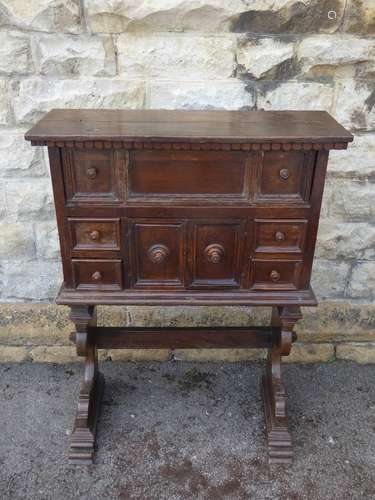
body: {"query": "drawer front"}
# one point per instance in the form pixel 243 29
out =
pixel 94 177
pixel 284 176
pixel 97 274
pixel 95 234
pixel 188 175
pixel 216 251
pixel 157 253
pixel 275 274
pixel 279 236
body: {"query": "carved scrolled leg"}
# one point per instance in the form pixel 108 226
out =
pixel 278 436
pixel 82 443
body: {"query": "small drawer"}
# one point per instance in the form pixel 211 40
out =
pixel 280 235
pixel 95 234
pixel 97 274
pixel 275 274
pixel 92 176
pixel 157 250
pixel 285 176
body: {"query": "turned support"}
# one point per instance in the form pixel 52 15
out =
pixel 82 443
pixel 278 436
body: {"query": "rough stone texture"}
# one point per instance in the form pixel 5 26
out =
pixel 362 283
pixel 54 354
pixel 218 355
pixel 357 161
pixel 17 241
pixel 329 278
pixel 266 57
pixel 9 354
pixel 295 95
pixel 362 353
pixel 15 54
pixel 346 240
pixel 68 56
pixel 310 353
pixel 138 355
pixel 17 159
pixel 190 54
pixel 34 97
pixel 170 56
pixel 41 15
pixel 200 95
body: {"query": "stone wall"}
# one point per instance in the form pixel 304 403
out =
pixel 193 54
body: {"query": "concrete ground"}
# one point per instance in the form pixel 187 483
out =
pixel 188 431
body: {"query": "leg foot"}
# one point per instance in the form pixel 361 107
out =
pixel 279 442
pixel 82 442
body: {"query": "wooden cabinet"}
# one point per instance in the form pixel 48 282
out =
pixel 187 208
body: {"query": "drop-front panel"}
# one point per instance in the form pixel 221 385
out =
pixel 176 207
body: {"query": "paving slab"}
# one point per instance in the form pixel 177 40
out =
pixel 179 430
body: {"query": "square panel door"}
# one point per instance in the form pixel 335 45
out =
pixel 216 253
pixel 157 253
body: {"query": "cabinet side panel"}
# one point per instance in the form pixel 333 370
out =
pixel 316 202
pixel 62 224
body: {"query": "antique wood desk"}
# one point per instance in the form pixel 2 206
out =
pixel 176 207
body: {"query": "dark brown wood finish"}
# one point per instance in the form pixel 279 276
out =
pixel 187 207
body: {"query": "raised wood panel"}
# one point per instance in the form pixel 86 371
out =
pixel 100 275
pixel 167 175
pixel 94 177
pixel 157 253
pixel 216 253
pixel 95 234
pixel 275 274
pixel 279 236
pixel 284 177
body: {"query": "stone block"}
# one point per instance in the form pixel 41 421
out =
pixel 353 200
pixel 18 158
pixel 265 57
pixel 329 278
pixel 360 352
pixel 362 281
pixel 54 354
pixel 110 16
pixel 15 53
pixel 345 240
pixel 34 97
pixel 41 15
pixel 291 16
pixel 175 56
pixel 60 55
pixel 29 280
pixel 356 161
pixel 17 241
pixel 218 355
pixel 47 240
pixel 354 107
pixel 140 355
pixel 310 353
pixel 10 354
pixel 30 199
pixel 201 95
pixel 6 116
pixel 360 17
pixel 294 95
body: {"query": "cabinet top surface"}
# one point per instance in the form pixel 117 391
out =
pixel 189 126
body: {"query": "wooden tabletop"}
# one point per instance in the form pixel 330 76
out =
pixel 191 126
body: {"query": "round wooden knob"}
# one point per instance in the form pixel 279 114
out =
pixel 158 253
pixel 94 235
pixel 97 276
pixel 279 236
pixel 91 172
pixel 214 253
pixel 275 275
pixel 284 174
